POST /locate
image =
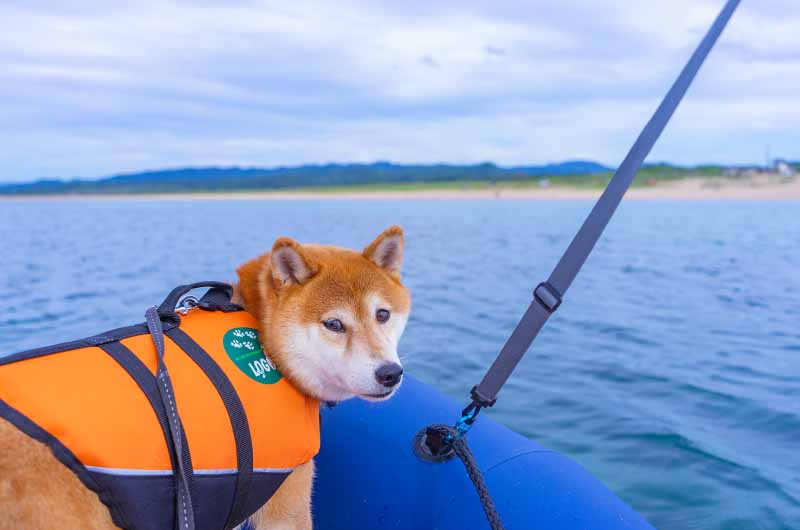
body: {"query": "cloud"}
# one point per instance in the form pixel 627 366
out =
pixel 427 60
pixel 493 50
pixel 95 88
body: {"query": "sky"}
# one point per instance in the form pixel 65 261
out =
pixel 96 88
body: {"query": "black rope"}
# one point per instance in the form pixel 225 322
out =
pixel 452 443
pixel 461 449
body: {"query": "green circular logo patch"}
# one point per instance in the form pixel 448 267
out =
pixel 244 349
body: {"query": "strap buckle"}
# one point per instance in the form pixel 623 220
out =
pixel 480 399
pixel 548 296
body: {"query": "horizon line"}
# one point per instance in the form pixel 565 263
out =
pixel 385 162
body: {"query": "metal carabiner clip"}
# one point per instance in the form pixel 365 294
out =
pixel 186 304
pixel 468 417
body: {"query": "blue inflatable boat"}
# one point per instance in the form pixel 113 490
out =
pixel 370 478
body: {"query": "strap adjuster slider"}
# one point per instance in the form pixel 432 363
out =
pixel 547 296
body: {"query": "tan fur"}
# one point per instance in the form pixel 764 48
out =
pixel 291 290
pixel 37 492
pixel 290 507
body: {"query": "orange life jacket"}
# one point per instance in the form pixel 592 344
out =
pixel 96 404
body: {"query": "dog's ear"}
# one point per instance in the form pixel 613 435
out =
pixel 289 264
pixel 387 250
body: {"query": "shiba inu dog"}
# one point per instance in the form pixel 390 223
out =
pixel 330 319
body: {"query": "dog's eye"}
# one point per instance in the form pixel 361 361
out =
pixel 334 324
pixel 382 315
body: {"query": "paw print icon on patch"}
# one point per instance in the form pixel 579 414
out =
pixel 244 350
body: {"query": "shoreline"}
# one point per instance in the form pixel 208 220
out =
pixel 693 188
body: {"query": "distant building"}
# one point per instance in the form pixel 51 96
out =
pixel 784 169
pixel 778 166
pixel 742 172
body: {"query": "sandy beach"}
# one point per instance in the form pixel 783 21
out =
pixel 767 187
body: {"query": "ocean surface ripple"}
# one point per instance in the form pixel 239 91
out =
pixel 672 371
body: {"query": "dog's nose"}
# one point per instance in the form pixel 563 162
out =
pixel 389 374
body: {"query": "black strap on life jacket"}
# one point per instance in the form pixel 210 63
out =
pixel 211 301
pixel 236 415
pixel 184 512
pixel 218 298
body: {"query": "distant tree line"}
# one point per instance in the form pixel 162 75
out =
pixel 332 175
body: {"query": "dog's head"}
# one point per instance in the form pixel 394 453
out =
pixel 330 318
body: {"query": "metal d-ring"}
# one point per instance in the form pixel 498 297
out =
pixel 187 304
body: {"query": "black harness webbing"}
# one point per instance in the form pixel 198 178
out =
pixel 184 512
pixel 236 415
pixel 548 295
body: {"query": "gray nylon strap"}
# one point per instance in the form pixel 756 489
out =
pixel 548 295
pixel 184 512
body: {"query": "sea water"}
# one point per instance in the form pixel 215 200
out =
pixel 671 372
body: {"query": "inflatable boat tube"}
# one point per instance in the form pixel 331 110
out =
pixel 368 476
